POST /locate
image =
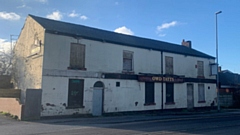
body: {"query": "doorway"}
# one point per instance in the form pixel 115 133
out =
pixel 190 99
pixel 97 105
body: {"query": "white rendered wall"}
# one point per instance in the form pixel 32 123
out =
pixel 100 56
pixel 180 95
pixel 116 99
pixel 129 96
pixel 185 65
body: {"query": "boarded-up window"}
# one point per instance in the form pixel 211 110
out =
pixel 77 56
pixel 127 61
pixel 200 68
pixel 169 93
pixel 75 92
pixel 201 92
pixel 149 93
pixel 168 65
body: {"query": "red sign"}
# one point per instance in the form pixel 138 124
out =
pixel 160 79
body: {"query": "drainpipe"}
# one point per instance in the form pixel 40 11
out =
pixel 162 79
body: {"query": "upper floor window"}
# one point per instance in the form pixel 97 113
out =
pixel 127 61
pixel 77 56
pixel 200 68
pixel 168 65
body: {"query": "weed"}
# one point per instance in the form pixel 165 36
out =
pixel 6 113
pixel 9 115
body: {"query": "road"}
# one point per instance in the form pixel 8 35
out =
pixel 225 123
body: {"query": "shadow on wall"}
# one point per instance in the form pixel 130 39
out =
pixel 5 82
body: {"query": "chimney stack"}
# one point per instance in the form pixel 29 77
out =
pixel 187 43
pixel 219 68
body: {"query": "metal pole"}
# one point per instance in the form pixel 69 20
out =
pixel 217 76
pixel 11 45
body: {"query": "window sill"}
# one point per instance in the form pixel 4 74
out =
pixel 170 103
pixel 71 68
pixel 74 107
pixel 201 101
pixel 148 104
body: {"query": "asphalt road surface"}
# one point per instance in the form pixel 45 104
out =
pixel 224 124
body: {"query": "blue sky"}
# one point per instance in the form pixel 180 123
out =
pixel 165 20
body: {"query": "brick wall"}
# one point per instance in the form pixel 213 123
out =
pixel 11 105
pixel 31 110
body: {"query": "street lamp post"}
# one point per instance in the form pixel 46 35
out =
pixel 217 76
pixel 11 40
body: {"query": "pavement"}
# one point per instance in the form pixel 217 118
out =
pixel 195 122
pixel 6 120
pixel 143 117
pixel 127 118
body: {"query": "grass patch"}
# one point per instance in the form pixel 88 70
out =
pixel 7 114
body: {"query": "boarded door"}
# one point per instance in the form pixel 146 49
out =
pixel 75 93
pixel 190 100
pixel 97 106
pixel 149 93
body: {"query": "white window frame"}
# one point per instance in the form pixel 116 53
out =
pixel 132 58
pixel 167 66
pixel 200 72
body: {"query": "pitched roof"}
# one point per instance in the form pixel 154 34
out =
pixel 64 28
pixel 229 78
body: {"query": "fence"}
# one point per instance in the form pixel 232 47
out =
pixel 226 100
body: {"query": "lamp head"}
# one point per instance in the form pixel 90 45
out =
pixel 218 12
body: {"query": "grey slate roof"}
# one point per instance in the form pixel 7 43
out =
pixel 228 78
pixel 64 28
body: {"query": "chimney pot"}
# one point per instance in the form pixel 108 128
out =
pixel 187 43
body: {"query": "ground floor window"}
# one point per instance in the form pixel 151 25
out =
pixel 149 93
pixel 201 93
pixel 75 92
pixel 169 93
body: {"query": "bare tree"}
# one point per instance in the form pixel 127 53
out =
pixel 6 55
pixel 5 62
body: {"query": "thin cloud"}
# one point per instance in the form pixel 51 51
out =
pixel 9 16
pixel 73 14
pixel 83 17
pixel 161 35
pixel 167 25
pixel 55 15
pixel 42 1
pixel 124 30
pixel 23 6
